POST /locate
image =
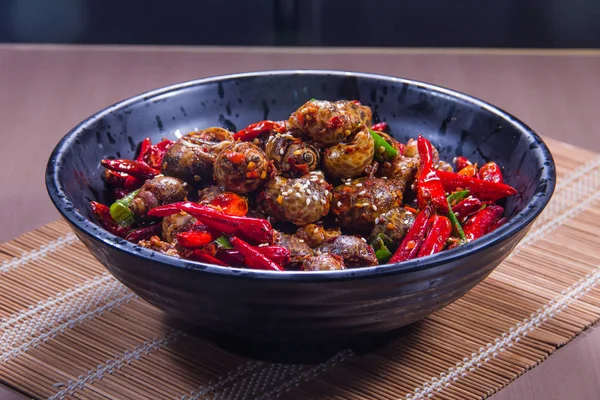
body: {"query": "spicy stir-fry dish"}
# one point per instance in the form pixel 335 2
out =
pixel 325 190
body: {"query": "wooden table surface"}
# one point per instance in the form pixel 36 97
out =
pixel 46 90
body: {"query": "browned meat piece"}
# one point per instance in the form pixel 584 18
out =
pixel 314 235
pixel 410 149
pixel 292 157
pixel 299 250
pixel 323 262
pixel 400 168
pixel 357 203
pixel 306 199
pixel 355 251
pixel 176 223
pixel 191 158
pixel 242 167
pixel 270 201
pixel 208 194
pixel 154 243
pixel 394 224
pixel 329 122
pixel 158 191
pixel 349 159
pixel 444 166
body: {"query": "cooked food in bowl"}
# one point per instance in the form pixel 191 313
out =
pixel 325 190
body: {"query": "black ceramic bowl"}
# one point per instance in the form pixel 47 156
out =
pixel 301 306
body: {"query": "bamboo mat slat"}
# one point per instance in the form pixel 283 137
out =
pixel 68 329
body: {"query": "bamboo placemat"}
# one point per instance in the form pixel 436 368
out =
pixel 70 330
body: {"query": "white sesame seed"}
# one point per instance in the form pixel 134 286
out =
pixel 363 239
pixel 359 185
pixel 323 201
pixel 374 207
pixel 347 183
pixel 339 203
pixel 308 191
pixel 313 172
pixel 301 240
pixel 326 192
pixel 263 245
pixel 362 192
pixel 321 181
pixel 384 177
pixel 307 202
pixel 376 220
pixel 282 151
pixel 298 195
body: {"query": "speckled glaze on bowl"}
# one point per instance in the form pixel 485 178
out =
pixel 301 306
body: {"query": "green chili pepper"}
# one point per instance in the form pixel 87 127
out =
pixel 120 211
pixel 456 227
pixel 223 243
pixel 380 142
pixel 382 253
pixel 455 197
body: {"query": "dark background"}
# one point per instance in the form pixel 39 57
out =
pixel 427 23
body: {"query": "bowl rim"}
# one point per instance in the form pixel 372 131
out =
pixel 518 222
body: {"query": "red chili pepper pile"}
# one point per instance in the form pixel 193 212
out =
pixel 472 216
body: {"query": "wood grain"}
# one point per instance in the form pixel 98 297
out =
pixel 46 90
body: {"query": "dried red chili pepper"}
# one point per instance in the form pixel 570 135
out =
pixel 231 257
pixel 481 189
pixel 144 233
pixel 409 248
pixel 254 229
pixel 199 255
pixel 479 223
pixel 491 172
pixel 253 131
pixel 429 186
pixel 102 213
pixel 278 254
pixel 253 258
pixel 462 162
pixel 144 147
pixel 439 231
pixel 194 239
pixel 156 153
pixel 466 207
pixel 497 224
pixel 132 183
pixel 380 127
pixel 137 169
pixel 115 178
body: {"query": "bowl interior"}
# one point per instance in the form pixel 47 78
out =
pixel 456 124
